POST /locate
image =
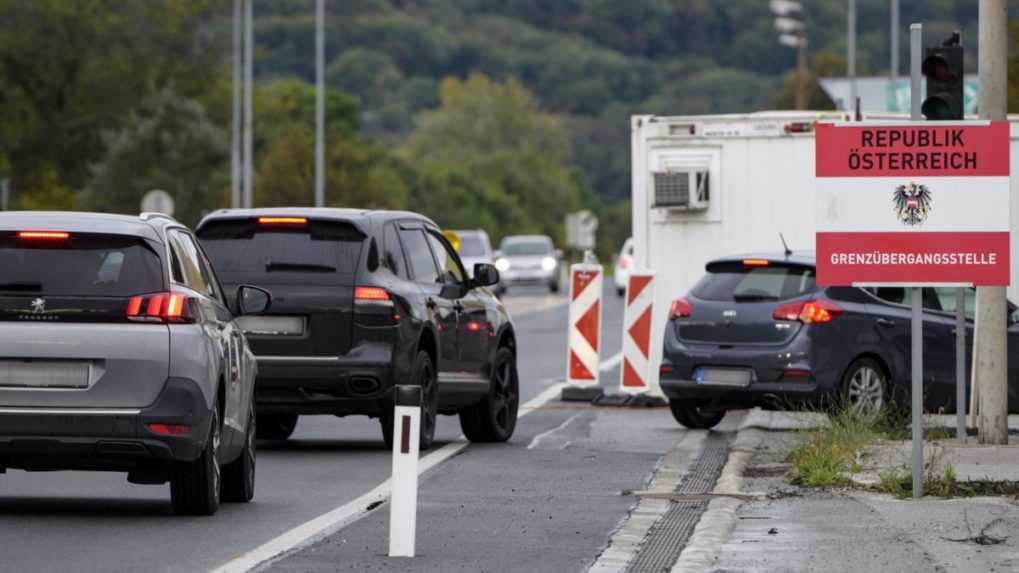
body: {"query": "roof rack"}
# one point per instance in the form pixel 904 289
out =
pixel 149 215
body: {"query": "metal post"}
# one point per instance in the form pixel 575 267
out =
pixel 5 193
pixel 990 358
pixel 320 114
pixel 916 299
pixel 404 499
pixel 248 67
pixel 802 100
pixel 960 364
pixel 851 58
pixel 894 34
pixel 235 143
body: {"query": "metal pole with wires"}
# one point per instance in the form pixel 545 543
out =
pixel 235 142
pixel 248 200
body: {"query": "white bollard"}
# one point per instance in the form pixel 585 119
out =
pixel 404 499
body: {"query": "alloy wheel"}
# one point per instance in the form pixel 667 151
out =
pixel 866 391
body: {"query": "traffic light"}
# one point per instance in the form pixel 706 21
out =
pixel 943 68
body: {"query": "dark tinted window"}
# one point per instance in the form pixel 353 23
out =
pixel 420 256
pixel 83 265
pixel 186 254
pixel 392 253
pixel 312 253
pixel 739 283
pixel 452 272
pixel 472 245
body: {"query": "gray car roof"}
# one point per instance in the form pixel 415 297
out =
pixel 335 213
pixel 72 221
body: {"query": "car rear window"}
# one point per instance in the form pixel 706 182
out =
pixel 80 265
pixel 740 283
pixel 315 252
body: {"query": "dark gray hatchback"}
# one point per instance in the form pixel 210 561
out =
pixel 758 331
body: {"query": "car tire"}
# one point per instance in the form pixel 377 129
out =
pixel 494 418
pixel 239 475
pixel 425 377
pixel 194 485
pixel 276 426
pixel 865 387
pixel 689 414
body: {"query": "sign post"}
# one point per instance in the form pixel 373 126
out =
pixel 912 205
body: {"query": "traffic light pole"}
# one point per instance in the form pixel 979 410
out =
pixel 990 360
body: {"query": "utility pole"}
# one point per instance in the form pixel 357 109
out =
pixel 320 114
pixel 990 360
pixel 851 56
pixel 793 33
pixel 801 72
pixel 235 143
pixel 248 67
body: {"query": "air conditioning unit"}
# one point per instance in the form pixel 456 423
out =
pixel 683 190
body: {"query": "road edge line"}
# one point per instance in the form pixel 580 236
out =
pixel 716 523
pixel 352 511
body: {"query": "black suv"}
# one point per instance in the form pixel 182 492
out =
pixel 364 300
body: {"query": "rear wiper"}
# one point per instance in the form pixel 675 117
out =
pixel 23 287
pixel 284 266
pixel 753 297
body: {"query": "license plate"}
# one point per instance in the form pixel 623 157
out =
pixel 272 325
pixel 31 373
pixel 736 377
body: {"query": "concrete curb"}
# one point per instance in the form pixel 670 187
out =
pixel 716 523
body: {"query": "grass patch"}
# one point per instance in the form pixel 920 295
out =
pixel 831 453
pixel 899 482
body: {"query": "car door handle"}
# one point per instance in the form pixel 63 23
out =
pixel 885 322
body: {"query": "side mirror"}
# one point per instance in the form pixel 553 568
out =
pixel 485 275
pixel 253 300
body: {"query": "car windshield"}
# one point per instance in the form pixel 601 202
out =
pixel 472 246
pixel 739 283
pixel 81 265
pixel 524 248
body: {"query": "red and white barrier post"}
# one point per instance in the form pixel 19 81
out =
pixel 404 482
pixel 583 354
pixel 636 372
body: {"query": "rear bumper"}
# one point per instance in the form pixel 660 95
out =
pixel 758 394
pixel 359 383
pixel 96 439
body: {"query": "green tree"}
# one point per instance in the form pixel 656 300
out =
pixel 497 133
pixel 72 69
pixel 169 144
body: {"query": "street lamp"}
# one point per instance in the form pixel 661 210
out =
pixel 793 33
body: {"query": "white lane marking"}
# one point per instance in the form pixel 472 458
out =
pixel 537 439
pixel 611 362
pixel 352 511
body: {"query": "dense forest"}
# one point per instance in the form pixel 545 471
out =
pixel 504 114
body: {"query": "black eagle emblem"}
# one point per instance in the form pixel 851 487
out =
pixel 912 203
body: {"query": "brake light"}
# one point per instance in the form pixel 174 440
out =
pixel 163 306
pixel 680 309
pixel 169 429
pixel 756 262
pixel 796 373
pixel 370 293
pixel 818 311
pixel 43 235
pixel 282 221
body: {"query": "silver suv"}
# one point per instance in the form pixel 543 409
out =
pixel 118 352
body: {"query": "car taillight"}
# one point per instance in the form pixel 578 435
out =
pixel 43 236
pixel 160 307
pixel 680 309
pixel 756 262
pixel 169 429
pixel 817 311
pixel 374 307
pixel 291 221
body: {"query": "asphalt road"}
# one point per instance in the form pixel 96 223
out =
pixel 555 486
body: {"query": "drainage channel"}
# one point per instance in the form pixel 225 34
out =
pixel 669 535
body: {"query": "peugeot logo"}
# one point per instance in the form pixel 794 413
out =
pixel 729 316
pixel 38 306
